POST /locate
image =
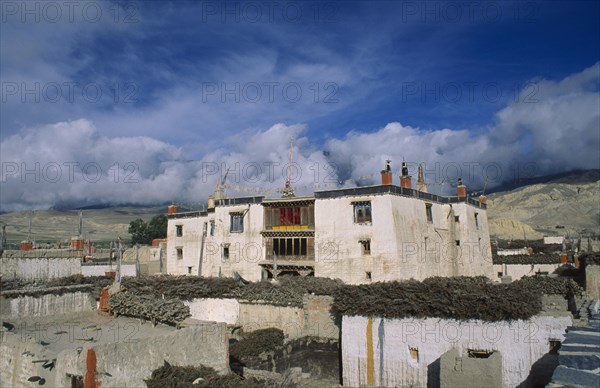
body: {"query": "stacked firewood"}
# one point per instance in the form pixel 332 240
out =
pixel 147 307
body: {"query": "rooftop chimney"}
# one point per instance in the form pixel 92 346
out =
pixel 386 175
pixel 77 243
pixel 26 245
pixel 461 190
pixel 171 209
pixel 405 179
pixel 211 202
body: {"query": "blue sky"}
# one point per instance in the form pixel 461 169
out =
pixel 198 80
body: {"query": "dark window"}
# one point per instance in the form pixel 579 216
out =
pixel 179 253
pixel 362 212
pixel 499 274
pixel 456 218
pixel 554 346
pixel 457 243
pixel 368 275
pixel 212 227
pixel 226 251
pixel 290 246
pixel 189 270
pixel 429 213
pixel 476 221
pixel 179 230
pixel 414 353
pixel 237 223
pixel 475 353
pixel 365 247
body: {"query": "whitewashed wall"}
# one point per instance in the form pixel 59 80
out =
pixel 403 244
pixel 378 349
pixel 312 319
pixel 213 309
pixel 517 271
pixel 38 268
pixel 100 270
pixel 245 249
pixel 48 304
pixel 189 242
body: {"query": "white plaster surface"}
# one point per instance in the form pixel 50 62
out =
pixel 213 309
pixel 517 271
pixel 404 244
pixel 48 304
pixel 521 343
pixel 100 270
pixel 38 268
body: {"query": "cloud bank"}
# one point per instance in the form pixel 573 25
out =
pixel 553 129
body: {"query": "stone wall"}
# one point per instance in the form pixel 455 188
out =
pixel 16 354
pixel 255 316
pixel 127 364
pixel 78 299
pixel 458 370
pixel 42 268
pixel 318 321
pixel 404 352
pixel 592 281
pixel 313 319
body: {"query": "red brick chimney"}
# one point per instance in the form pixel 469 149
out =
pixel 26 245
pixel 386 175
pixel 405 179
pixel 461 190
pixel 171 209
pixel 77 243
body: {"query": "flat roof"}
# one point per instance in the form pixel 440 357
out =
pixel 338 193
pixel 396 190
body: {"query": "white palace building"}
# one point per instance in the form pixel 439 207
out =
pixel 359 235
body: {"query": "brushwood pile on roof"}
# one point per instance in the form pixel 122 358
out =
pixel 538 258
pixel 461 298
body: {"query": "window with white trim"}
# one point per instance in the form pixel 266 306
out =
pixel 237 222
pixel 362 212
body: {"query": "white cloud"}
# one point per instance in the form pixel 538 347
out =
pixel 557 132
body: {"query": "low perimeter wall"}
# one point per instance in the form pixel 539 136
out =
pixel 39 268
pixel 403 352
pixel 313 319
pixel 100 270
pixel 119 364
pixel 127 364
pixel 592 281
pixel 18 304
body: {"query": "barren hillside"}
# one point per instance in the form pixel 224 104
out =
pixel 54 226
pixel 570 202
pixel 569 205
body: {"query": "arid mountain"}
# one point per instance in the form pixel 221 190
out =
pixel 569 205
pixel 52 226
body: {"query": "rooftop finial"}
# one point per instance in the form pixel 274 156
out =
pixel 288 190
pixel 421 185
